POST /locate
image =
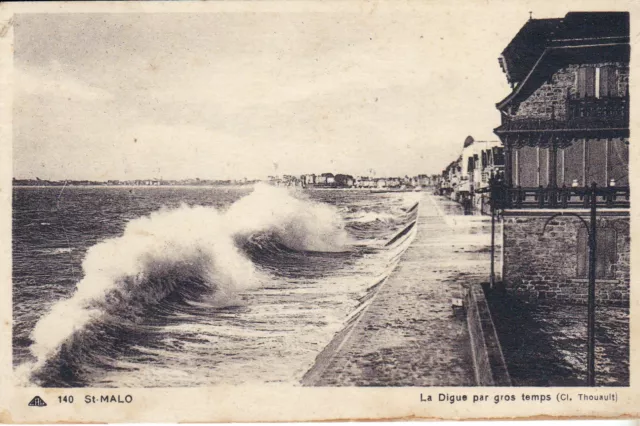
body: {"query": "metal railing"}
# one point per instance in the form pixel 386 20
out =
pixel 559 197
pixel 604 112
pixel 581 114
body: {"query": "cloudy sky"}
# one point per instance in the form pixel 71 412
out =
pixel 229 95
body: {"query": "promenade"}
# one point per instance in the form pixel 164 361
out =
pixel 408 335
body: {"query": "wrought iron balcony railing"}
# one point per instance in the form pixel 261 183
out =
pixel 504 197
pixel 604 112
pixel 581 114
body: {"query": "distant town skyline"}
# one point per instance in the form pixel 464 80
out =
pixel 235 95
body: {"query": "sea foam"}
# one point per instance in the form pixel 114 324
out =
pixel 191 250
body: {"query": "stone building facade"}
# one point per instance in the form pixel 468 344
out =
pixel 565 130
pixel 545 266
pixel 551 96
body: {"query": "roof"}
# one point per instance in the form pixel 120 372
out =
pixel 577 26
pixel 468 141
pixel 526 47
pixel 543 45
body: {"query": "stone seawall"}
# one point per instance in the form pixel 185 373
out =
pixel 488 361
pixel 545 266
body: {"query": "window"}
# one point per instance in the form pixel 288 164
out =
pixel 608 86
pixel 596 162
pixel 597 82
pixel 618 161
pixel 605 253
pixel 527 166
pixel 543 166
pixel 586 82
pixel 572 161
pixel 498 156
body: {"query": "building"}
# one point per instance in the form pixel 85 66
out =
pixel 480 161
pixel 309 179
pixel 565 127
pixel 462 191
pixel 394 182
pixel 381 183
pixel 364 182
pixel 343 181
pixel 491 165
pixel 326 179
pixel 466 180
pixel 435 180
pixel 451 178
pixel 423 180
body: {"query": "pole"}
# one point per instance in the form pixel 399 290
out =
pixel 591 320
pixel 492 277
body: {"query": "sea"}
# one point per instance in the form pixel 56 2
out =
pixel 192 286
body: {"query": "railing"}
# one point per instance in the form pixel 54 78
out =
pixel 593 112
pixel 559 197
pixel 581 114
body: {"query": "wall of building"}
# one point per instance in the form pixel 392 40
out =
pixel 550 98
pixel 544 267
pixel 600 161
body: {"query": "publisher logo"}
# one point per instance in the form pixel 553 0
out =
pixel 37 402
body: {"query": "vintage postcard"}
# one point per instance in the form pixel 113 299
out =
pixel 271 211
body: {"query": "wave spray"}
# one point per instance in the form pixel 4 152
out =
pixel 186 254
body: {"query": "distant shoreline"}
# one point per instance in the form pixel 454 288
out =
pixel 61 185
pixel 238 185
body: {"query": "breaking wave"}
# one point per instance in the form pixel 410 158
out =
pixel 169 260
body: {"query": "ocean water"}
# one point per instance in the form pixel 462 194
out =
pixel 192 286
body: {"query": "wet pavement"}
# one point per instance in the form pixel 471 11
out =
pixel 409 334
pixel 546 345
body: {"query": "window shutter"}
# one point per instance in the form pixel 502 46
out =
pixel 583 253
pixel 612 82
pixel 582 88
pixel 619 162
pixel 601 258
pixel 604 82
pixel 590 82
pixel 608 86
pixel 606 253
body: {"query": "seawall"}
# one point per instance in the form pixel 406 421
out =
pixel 488 361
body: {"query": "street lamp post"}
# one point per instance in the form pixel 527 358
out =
pixel 591 301
pixel 492 276
pixel 494 204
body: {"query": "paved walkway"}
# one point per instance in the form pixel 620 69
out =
pixel 408 335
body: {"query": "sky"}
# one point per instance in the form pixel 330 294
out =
pixel 228 95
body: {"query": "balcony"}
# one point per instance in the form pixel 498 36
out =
pixel 602 113
pixel 607 116
pixel 559 197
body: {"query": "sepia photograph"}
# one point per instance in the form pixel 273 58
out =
pixel 316 195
